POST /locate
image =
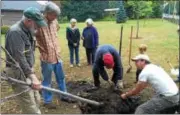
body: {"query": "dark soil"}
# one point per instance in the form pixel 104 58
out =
pixel 112 103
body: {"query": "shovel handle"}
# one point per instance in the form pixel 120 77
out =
pixel 120 43
pixel 130 45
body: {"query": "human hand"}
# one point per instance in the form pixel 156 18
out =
pixel 75 44
pixel 35 83
pixel 120 84
pixel 110 82
pixel 123 96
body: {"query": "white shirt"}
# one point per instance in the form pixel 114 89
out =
pixel 161 82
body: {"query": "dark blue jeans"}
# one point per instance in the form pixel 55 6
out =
pixel 47 69
pixel 73 50
pixel 90 54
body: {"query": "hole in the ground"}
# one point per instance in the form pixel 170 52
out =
pixel 113 104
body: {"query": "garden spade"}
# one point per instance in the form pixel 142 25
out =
pixel 130 47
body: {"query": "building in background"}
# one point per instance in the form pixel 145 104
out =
pixel 12 11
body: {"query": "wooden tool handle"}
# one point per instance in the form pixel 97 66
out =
pixel 130 44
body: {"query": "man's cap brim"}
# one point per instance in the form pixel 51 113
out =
pixel 41 23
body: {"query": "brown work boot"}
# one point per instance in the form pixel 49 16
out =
pixel 49 106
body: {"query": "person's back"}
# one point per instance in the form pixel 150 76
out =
pixel 18 34
pixel 13 29
pixel 104 49
pixel 107 56
pixel 161 82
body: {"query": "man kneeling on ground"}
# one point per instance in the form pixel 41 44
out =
pixel 166 90
pixel 106 55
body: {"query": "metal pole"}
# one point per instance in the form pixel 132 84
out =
pixel 53 90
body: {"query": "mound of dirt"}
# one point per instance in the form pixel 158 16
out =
pixel 113 104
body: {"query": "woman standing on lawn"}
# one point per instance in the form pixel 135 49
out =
pixel 73 37
pixel 90 40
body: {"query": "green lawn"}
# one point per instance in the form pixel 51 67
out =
pixel 160 36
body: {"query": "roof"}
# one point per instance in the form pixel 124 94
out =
pixel 111 9
pixel 22 5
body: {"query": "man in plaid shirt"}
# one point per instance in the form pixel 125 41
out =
pixel 47 40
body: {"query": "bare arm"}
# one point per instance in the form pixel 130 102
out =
pixel 139 87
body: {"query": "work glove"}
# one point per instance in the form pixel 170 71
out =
pixel 35 83
pixel 110 82
pixel 175 72
pixel 120 84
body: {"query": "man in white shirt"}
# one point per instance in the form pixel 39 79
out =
pixel 166 90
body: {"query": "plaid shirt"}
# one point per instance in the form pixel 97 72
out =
pixel 47 40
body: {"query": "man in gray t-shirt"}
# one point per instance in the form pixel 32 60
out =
pixel 167 95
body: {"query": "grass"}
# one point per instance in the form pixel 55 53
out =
pixel 160 36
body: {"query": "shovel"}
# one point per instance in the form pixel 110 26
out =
pixel 130 46
pixel 120 43
pixel 92 102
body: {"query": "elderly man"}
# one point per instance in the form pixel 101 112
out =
pixel 47 40
pixel 107 55
pixel 90 40
pixel 20 45
pixel 166 90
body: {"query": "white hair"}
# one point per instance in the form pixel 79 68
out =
pixel 89 21
pixel 52 7
pixel 73 20
pixel 25 18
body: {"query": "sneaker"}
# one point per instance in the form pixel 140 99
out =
pixel 49 106
pixel 68 100
pixel 71 65
pixel 79 65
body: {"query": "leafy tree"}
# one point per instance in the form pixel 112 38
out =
pixel 121 14
pixel 139 9
pixel 82 10
pixel 157 7
pixel 113 4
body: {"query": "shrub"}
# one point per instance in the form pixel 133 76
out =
pixel 4 29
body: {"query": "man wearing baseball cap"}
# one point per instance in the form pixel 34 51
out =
pixel 20 45
pixel 107 56
pixel 166 96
